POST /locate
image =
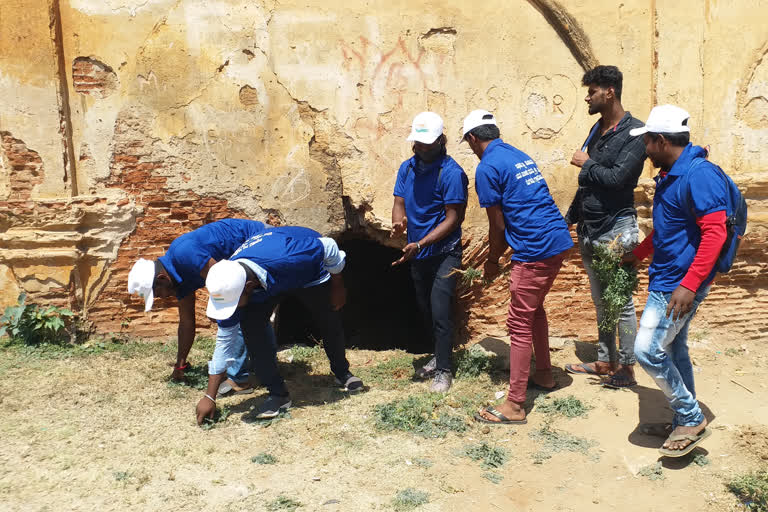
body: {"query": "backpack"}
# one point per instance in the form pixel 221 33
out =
pixel 735 223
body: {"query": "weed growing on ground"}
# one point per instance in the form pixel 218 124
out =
pixel 205 344
pixel 283 502
pixel 488 456
pixel 409 499
pixel 418 414
pixel 122 476
pixel 264 458
pixel 700 459
pixel 569 406
pixel 751 489
pixel 195 377
pixel 618 281
pixel 423 463
pixel 493 477
pixel 30 324
pixel 473 362
pixel 732 352
pixel 652 471
pixel 391 374
pixel 219 417
pixel 555 441
pixel 304 353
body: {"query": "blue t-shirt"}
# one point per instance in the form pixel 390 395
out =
pixel 692 188
pixel 426 190
pixel 534 227
pixel 293 257
pixel 189 253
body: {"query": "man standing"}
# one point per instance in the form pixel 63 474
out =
pixel 430 201
pixel 275 264
pixel 180 272
pixel 521 214
pixel 604 207
pixel 689 215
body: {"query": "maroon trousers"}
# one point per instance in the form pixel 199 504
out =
pixel 529 283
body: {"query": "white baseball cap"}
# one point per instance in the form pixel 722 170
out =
pixel 141 278
pixel 225 283
pixel 426 128
pixel 664 119
pixel 476 118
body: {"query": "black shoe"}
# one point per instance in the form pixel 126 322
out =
pixel 273 406
pixel 428 370
pixel 350 383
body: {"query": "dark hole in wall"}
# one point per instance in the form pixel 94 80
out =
pixel 381 311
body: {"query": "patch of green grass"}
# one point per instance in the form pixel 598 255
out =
pixel 283 502
pixel 493 477
pixel 304 353
pixel 264 458
pixel 95 346
pixel 751 489
pixel 419 414
pixel 409 499
pixel 423 463
pixel 196 377
pixel 122 476
pixel 569 406
pixel 732 352
pixel 473 362
pixel 554 441
pixel 219 417
pixel 205 344
pixel 488 456
pixel 652 472
pixel 394 373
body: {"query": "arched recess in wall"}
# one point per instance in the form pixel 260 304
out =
pixel 569 30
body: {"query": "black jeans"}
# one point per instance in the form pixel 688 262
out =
pixel 326 322
pixel 435 290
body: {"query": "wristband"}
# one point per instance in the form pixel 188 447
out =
pixel 185 366
pixel 209 397
pixel 418 246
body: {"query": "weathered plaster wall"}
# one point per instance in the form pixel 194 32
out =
pixel 126 123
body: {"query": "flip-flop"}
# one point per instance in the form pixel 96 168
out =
pixel 694 439
pixel 231 388
pixel 656 429
pixel 503 420
pixel 581 369
pixel 533 385
pixel 617 381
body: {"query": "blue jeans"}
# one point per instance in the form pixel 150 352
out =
pixel 625 231
pixel 661 349
pixel 435 288
pixel 325 321
pixel 240 369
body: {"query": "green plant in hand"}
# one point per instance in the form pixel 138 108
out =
pixel 31 324
pixel 618 281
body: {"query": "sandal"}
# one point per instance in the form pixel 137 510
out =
pixel 695 440
pixel 619 381
pixel 503 420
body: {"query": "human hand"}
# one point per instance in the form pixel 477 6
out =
pixel 206 408
pixel 579 158
pixel 630 259
pixel 409 251
pixel 680 301
pixel 491 269
pixel 398 228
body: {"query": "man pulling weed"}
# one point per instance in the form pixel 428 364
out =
pixel 273 265
pixel 181 271
pixel 523 215
pixel 689 230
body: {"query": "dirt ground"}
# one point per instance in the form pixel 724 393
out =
pixel 104 430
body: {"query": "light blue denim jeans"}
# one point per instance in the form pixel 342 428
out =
pixel 230 352
pixel 625 231
pixel 661 349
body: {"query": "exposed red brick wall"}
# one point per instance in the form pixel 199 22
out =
pixel 93 77
pixel 138 170
pixel 26 167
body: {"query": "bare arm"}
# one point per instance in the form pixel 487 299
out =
pixel 496 241
pixel 454 215
pixel 399 220
pixel 186 332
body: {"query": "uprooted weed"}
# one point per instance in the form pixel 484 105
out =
pixel 419 413
pixel 554 441
pixel 409 499
pixel 473 362
pixel 488 456
pixel 494 478
pixel 283 502
pixel 617 281
pixel 219 417
pixel 751 489
pixel 569 406
pixel 264 458
pixel 652 472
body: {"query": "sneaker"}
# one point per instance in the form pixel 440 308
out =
pixel 442 381
pixel 350 383
pixel 230 387
pixel 273 406
pixel 428 370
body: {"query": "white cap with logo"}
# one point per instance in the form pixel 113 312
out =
pixel 426 128
pixel 225 283
pixel 474 119
pixel 664 119
pixel 141 278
